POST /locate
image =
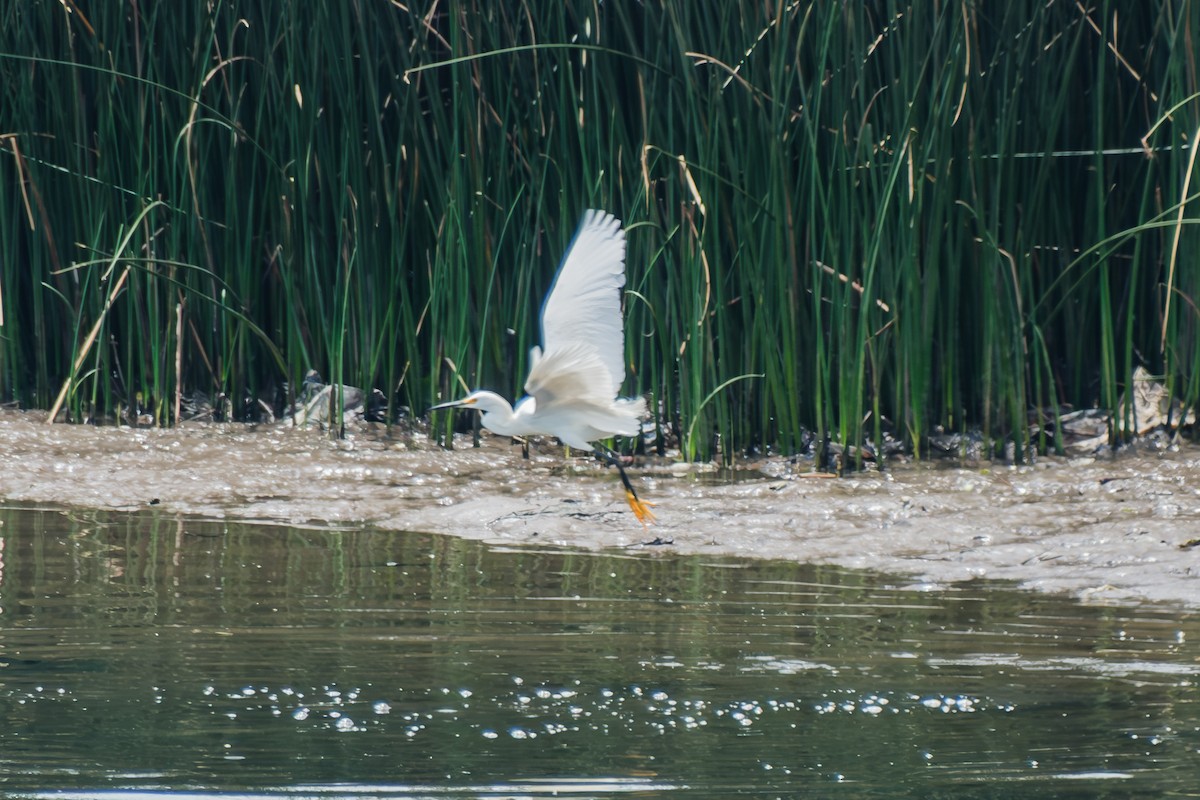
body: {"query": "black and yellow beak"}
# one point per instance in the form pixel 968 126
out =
pixel 466 401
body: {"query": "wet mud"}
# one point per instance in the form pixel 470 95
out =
pixel 1115 529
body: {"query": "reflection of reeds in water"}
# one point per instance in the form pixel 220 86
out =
pixel 223 654
pixel 901 221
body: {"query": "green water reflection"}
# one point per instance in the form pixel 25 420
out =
pixel 140 654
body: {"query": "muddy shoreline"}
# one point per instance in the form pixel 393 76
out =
pixel 1102 529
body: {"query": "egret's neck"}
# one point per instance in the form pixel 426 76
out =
pixel 500 417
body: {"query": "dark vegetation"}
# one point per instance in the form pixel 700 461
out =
pixel 847 221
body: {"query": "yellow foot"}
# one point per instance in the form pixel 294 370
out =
pixel 641 509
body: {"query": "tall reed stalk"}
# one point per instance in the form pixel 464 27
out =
pixel 846 220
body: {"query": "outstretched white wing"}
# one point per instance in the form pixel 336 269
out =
pixel 583 307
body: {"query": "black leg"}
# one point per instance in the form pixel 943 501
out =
pixel 641 509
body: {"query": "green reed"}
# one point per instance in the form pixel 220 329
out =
pixel 845 220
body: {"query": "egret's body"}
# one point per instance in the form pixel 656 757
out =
pixel 576 375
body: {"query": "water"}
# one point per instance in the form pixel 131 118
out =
pixel 145 655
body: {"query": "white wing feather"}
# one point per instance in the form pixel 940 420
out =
pixel 572 375
pixel 571 394
pixel 583 307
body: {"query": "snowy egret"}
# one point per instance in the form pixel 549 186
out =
pixel 576 375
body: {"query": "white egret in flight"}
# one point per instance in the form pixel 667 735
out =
pixel 576 375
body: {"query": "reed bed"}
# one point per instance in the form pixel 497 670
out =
pixel 847 221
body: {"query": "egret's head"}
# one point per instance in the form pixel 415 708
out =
pixel 481 400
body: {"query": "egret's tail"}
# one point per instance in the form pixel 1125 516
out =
pixel 628 413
